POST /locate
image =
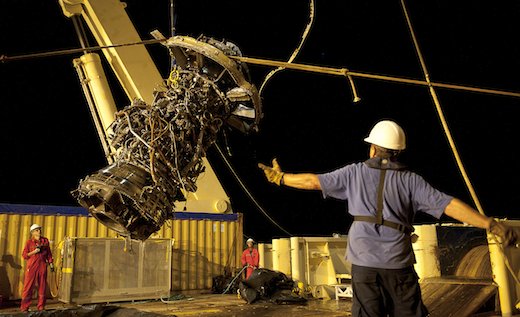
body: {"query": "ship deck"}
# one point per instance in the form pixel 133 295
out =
pixel 201 305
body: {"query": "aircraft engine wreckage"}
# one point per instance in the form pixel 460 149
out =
pixel 159 147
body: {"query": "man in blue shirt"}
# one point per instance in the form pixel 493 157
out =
pixel 384 197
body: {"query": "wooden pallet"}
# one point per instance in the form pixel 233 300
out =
pixel 456 297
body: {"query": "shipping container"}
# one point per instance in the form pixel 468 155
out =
pixel 205 244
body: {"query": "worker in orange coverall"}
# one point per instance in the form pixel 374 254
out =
pixel 37 253
pixel 250 258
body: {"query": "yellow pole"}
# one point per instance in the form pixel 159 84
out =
pixel 276 254
pixel 284 253
pixel 98 84
pixel 261 253
pixel 425 249
pixel 295 260
pixel 500 276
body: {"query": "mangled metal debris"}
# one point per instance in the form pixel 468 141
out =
pixel 159 147
pixel 268 285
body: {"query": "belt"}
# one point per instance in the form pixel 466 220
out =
pixel 378 219
pixel 386 223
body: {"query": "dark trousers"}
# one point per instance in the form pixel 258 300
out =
pixel 386 292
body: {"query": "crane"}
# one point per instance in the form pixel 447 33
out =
pixel 139 78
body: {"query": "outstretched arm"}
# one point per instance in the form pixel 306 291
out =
pixel 462 212
pixel 306 181
pixel 275 175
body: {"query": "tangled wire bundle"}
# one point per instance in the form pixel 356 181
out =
pixel 159 147
pixel 168 139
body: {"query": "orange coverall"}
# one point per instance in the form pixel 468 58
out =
pixel 36 271
pixel 251 258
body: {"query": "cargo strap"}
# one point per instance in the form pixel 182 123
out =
pixel 378 219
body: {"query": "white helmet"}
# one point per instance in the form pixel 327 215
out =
pixel 387 134
pixel 250 240
pixel 35 226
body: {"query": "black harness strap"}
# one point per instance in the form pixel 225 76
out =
pixel 378 219
pixel 380 197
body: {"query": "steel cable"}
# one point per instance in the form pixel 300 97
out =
pixel 247 191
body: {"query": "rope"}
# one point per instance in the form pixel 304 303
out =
pixel 296 50
pixel 246 190
pixel 506 259
pixel 177 299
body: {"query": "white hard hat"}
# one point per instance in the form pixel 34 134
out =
pixel 250 240
pixel 387 134
pixel 35 226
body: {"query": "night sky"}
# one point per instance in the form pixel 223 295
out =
pixel 49 142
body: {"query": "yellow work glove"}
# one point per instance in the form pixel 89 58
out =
pixel 507 235
pixel 273 174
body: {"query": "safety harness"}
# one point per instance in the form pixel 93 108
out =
pixel 383 165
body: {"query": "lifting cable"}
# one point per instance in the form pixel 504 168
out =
pixel 449 136
pixel 296 50
pixel 246 190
